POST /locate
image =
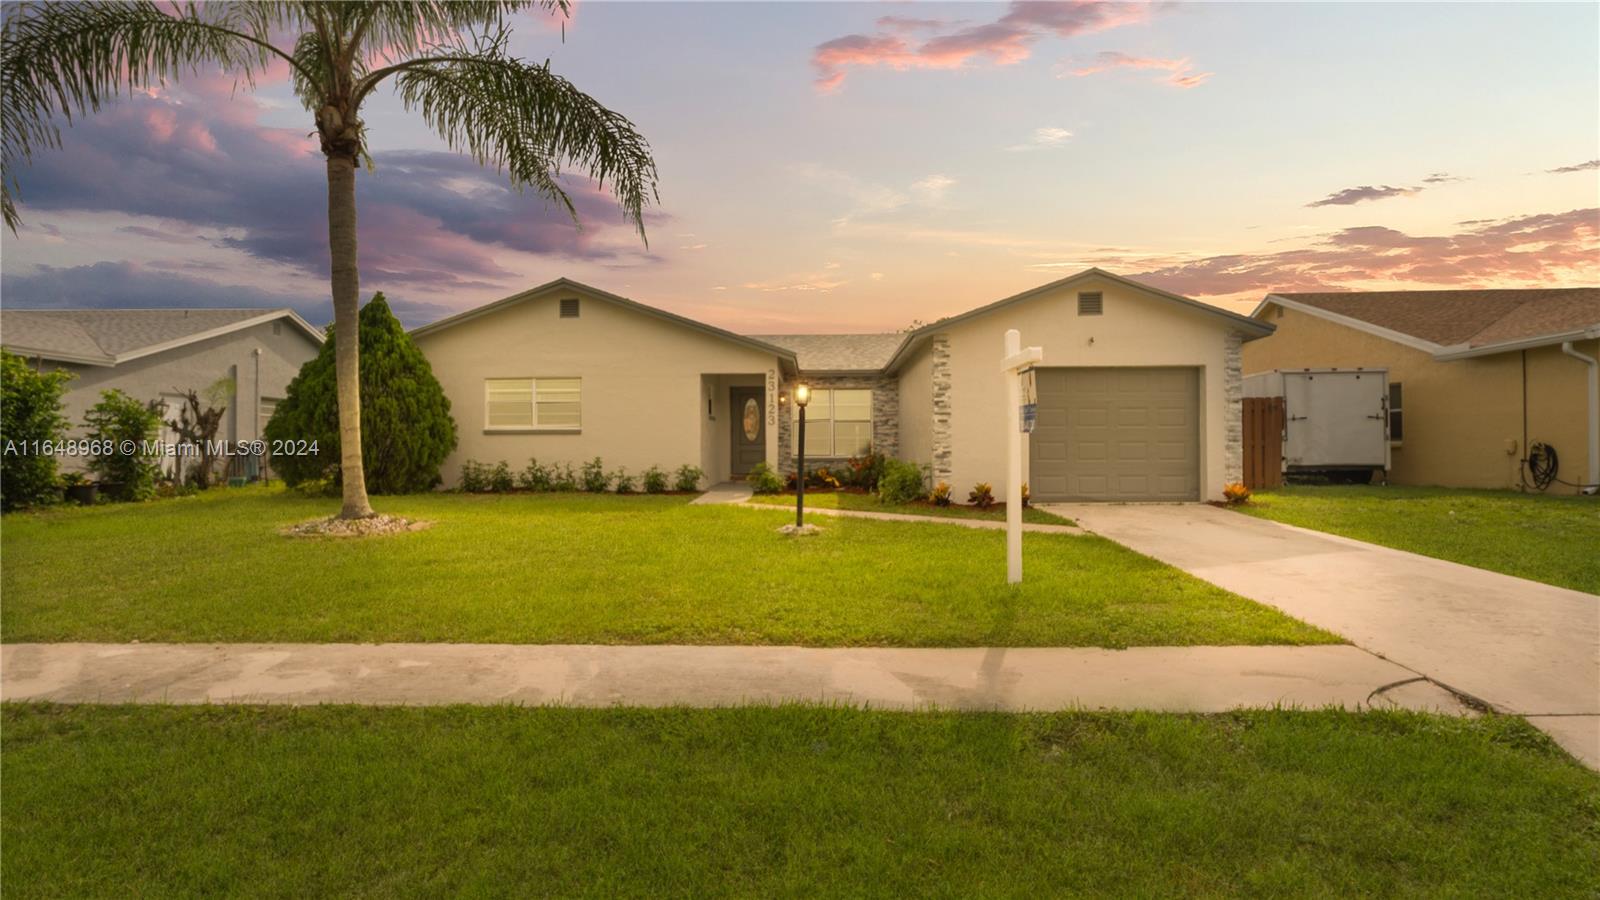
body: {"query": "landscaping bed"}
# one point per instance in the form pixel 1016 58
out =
pixel 867 502
pixel 581 568
pixel 790 801
pixel 1536 536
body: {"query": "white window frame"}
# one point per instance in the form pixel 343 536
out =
pixel 833 420
pixel 533 389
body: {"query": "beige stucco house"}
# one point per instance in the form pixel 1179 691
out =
pixel 157 354
pixel 1476 377
pixel 1138 395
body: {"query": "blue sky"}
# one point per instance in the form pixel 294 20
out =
pixel 853 166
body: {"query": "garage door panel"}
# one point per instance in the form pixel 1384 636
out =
pixel 1089 485
pixel 1171 451
pixel 1133 416
pixel 1116 434
pixel 1172 418
pixel 1131 381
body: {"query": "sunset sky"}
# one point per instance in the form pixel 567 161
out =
pixel 855 166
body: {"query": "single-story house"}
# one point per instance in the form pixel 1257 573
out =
pixel 159 354
pixel 1475 377
pixel 1138 394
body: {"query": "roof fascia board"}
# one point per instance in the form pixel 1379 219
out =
pixel 1253 327
pixel 787 356
pixel 1387 334
pixel 199 336
pixel 1466 351
pixel 105 361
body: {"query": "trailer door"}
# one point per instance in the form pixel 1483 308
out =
pixel 1335 419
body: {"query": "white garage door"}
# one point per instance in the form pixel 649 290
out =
pixel 1116 434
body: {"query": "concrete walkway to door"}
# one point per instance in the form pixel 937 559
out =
pixel 1516 645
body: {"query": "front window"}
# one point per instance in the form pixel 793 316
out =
pixel 552 403
pixel 838 422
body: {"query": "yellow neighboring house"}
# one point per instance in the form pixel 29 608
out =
pixel 1476 377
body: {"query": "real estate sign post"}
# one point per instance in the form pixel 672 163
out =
pixel 1013 364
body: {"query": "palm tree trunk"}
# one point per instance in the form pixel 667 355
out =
pixel 346 331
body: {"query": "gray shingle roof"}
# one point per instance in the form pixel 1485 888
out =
pixel 837 352
pixel 104 334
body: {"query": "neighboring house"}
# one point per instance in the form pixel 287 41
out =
pixel 1476 377
pixel 1139 394
pixel 159 354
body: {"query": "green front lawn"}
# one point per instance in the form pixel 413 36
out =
pixel 589 569
pixel 792 801
pixel 1545 538
pixel 869 503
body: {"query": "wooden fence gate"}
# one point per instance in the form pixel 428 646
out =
pixel 1263 442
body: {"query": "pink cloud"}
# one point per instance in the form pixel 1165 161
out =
pixel 1540 250
pixel 1005 41
pixel 1178 70
pixel 1352 196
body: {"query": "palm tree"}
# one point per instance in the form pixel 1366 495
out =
pixel 447 59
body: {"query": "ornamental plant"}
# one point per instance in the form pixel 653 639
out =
pixel 119 424
pixel 1236 494
pixel 763 480
pixel 595 480
pixel 30 417
pixel 687 479
pixel 405 416
pixel 535 477
pixel 982 495
pixel 655 480
pixel 902 482
pixel 941 494
pixel 622 482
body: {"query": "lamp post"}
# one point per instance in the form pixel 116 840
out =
pixel 802 396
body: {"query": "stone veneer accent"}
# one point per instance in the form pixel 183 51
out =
pixel 885 414
pixel 942 455
pixel 1233 407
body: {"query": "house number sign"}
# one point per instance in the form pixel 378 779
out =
pixel 772 397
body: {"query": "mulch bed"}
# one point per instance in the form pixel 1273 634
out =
pixel 371 526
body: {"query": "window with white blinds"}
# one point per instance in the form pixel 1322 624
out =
pixel 553 403
pixel 838 423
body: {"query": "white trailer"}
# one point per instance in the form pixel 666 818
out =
pixel 1336 421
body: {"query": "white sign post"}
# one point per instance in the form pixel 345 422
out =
pixel 1012 365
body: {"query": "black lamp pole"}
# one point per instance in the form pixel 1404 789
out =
pixel 802 396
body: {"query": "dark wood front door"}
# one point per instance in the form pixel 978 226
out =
pixel 748 423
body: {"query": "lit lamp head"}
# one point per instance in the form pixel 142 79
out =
pixel 802 395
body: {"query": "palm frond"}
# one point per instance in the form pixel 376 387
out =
pixel 402 28
pixel 528 121
pixel 61 60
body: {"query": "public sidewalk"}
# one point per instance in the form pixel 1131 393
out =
pixel 1174 679
pixel 981 524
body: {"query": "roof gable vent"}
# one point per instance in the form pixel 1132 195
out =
pixel 1090 303
pixel 569 308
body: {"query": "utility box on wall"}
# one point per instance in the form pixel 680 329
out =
pixel 1336 421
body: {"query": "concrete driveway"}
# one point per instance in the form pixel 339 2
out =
pixel 1516 645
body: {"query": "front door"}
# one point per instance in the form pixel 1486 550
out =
pixel 749 427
